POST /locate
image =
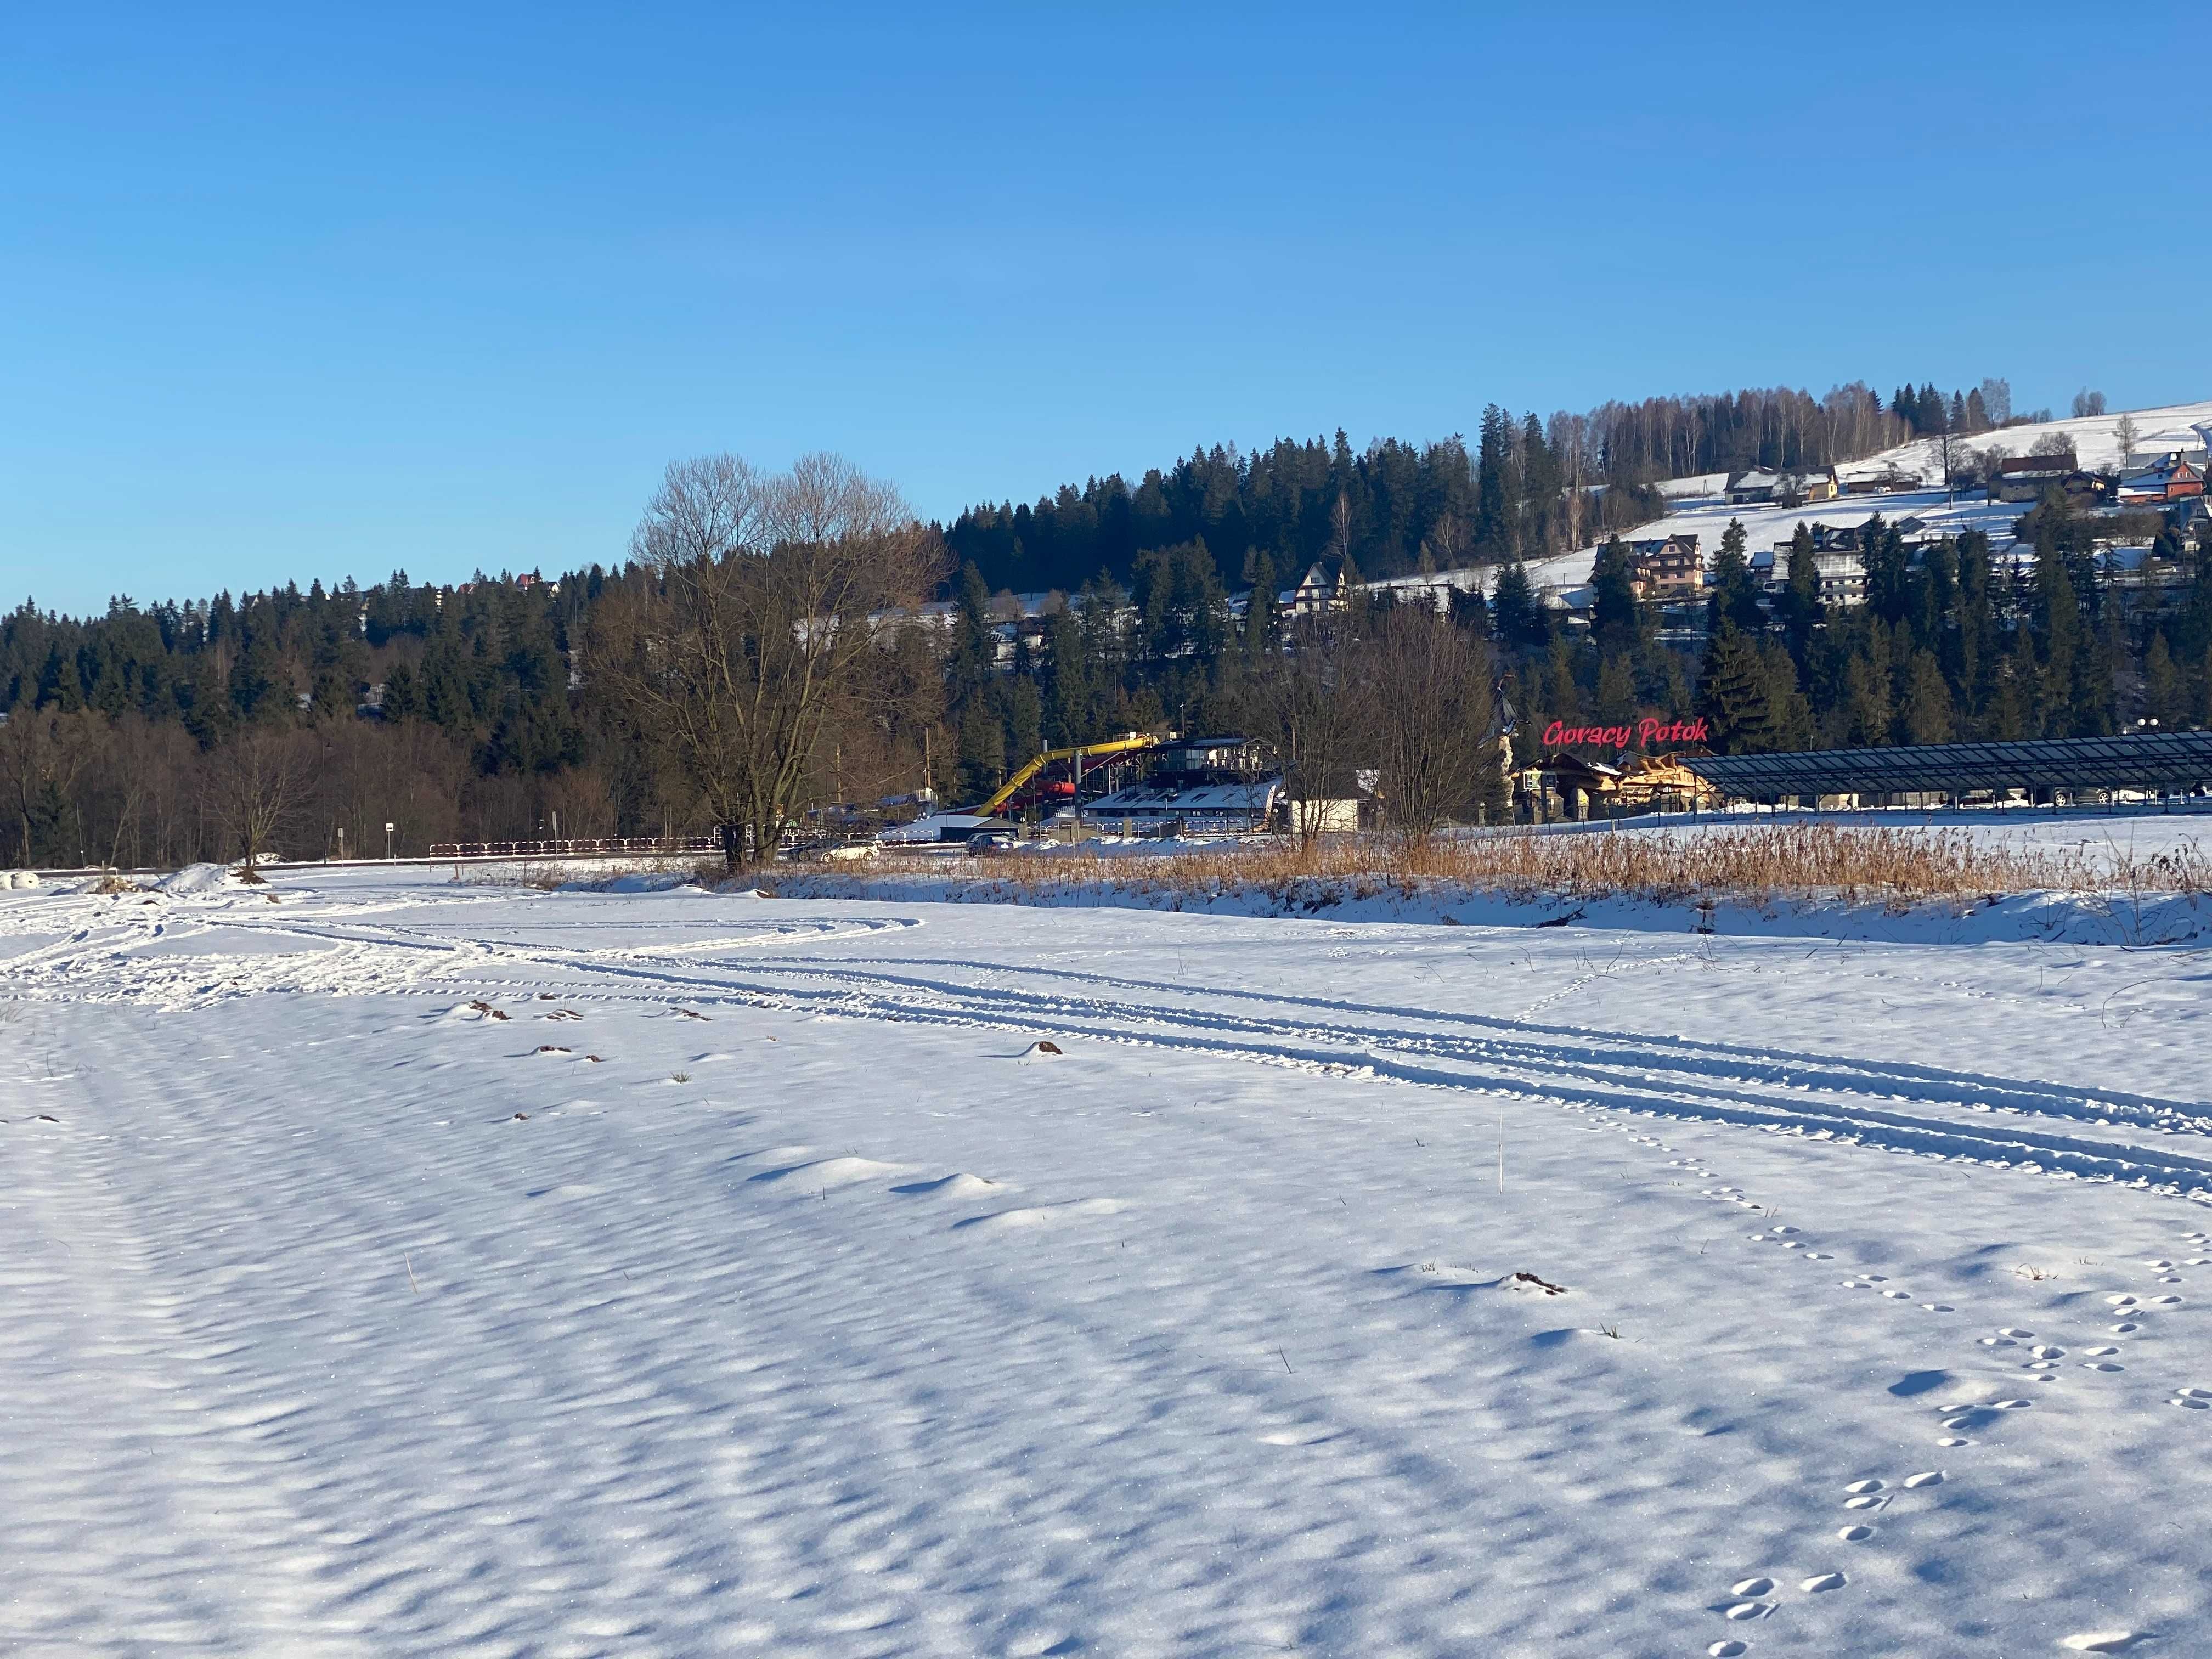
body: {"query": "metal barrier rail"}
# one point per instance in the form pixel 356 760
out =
pixel 575 848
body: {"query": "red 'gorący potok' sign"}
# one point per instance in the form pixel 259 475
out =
pixel 1645 732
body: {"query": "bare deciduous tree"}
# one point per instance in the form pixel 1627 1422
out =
pixel 409 775
pixel 42 751
pixel 1313 699
pixel 745 631
pixel 258 784
pixel 1429 683
pixel 2129 434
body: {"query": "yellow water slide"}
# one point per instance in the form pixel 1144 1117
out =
pixel 1129 743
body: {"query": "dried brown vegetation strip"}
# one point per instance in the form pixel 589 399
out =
pixel 1758 864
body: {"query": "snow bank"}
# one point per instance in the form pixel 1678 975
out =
pixel 197 878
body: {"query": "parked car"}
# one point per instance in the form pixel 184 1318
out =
pixel 991 843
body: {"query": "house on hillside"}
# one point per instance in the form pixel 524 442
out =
pixel 1320 591
pixel 1842 578
pixel 1786 484
pixel 1666 565
pixel 1751 487
pixel 1837 561
pixel 2172 479
pixel 1812 483
pixel 2025 478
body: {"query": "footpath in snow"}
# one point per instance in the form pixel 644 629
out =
pixel 407 1267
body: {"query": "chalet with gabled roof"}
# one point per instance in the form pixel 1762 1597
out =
pixel 2172 479
pixel 2025 478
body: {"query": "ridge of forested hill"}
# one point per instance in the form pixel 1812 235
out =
pixel 485 726
pixel 1531 487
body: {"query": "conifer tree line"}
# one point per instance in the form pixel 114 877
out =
pixel 1947 646
pixel 494 725
pixel 1531 486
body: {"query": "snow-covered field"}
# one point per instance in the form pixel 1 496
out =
pixel 410 1267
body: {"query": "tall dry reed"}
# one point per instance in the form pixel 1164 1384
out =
pixel 1757 864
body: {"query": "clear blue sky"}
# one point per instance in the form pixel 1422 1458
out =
pixel 303 292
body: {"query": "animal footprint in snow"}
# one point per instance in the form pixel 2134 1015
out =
pixel 1928 1478
pixel 1855 1534
pixel 1730 1649
pixel 1823 1581
pixel 2045 1351
pixel 2195 1400
pixel 1743 1610
pixel 1750 1587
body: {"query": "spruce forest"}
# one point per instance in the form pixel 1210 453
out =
pixel 471 711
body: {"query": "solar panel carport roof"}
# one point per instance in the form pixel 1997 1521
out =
pixel 2160 760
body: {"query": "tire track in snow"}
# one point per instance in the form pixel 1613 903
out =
pixel 1757 1095
pixel 1815 1098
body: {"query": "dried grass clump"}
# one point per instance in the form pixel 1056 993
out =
pixel 1759 864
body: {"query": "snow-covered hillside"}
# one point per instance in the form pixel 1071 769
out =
pixel 2095 439
pixel 1699 511
pixel 408 1267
